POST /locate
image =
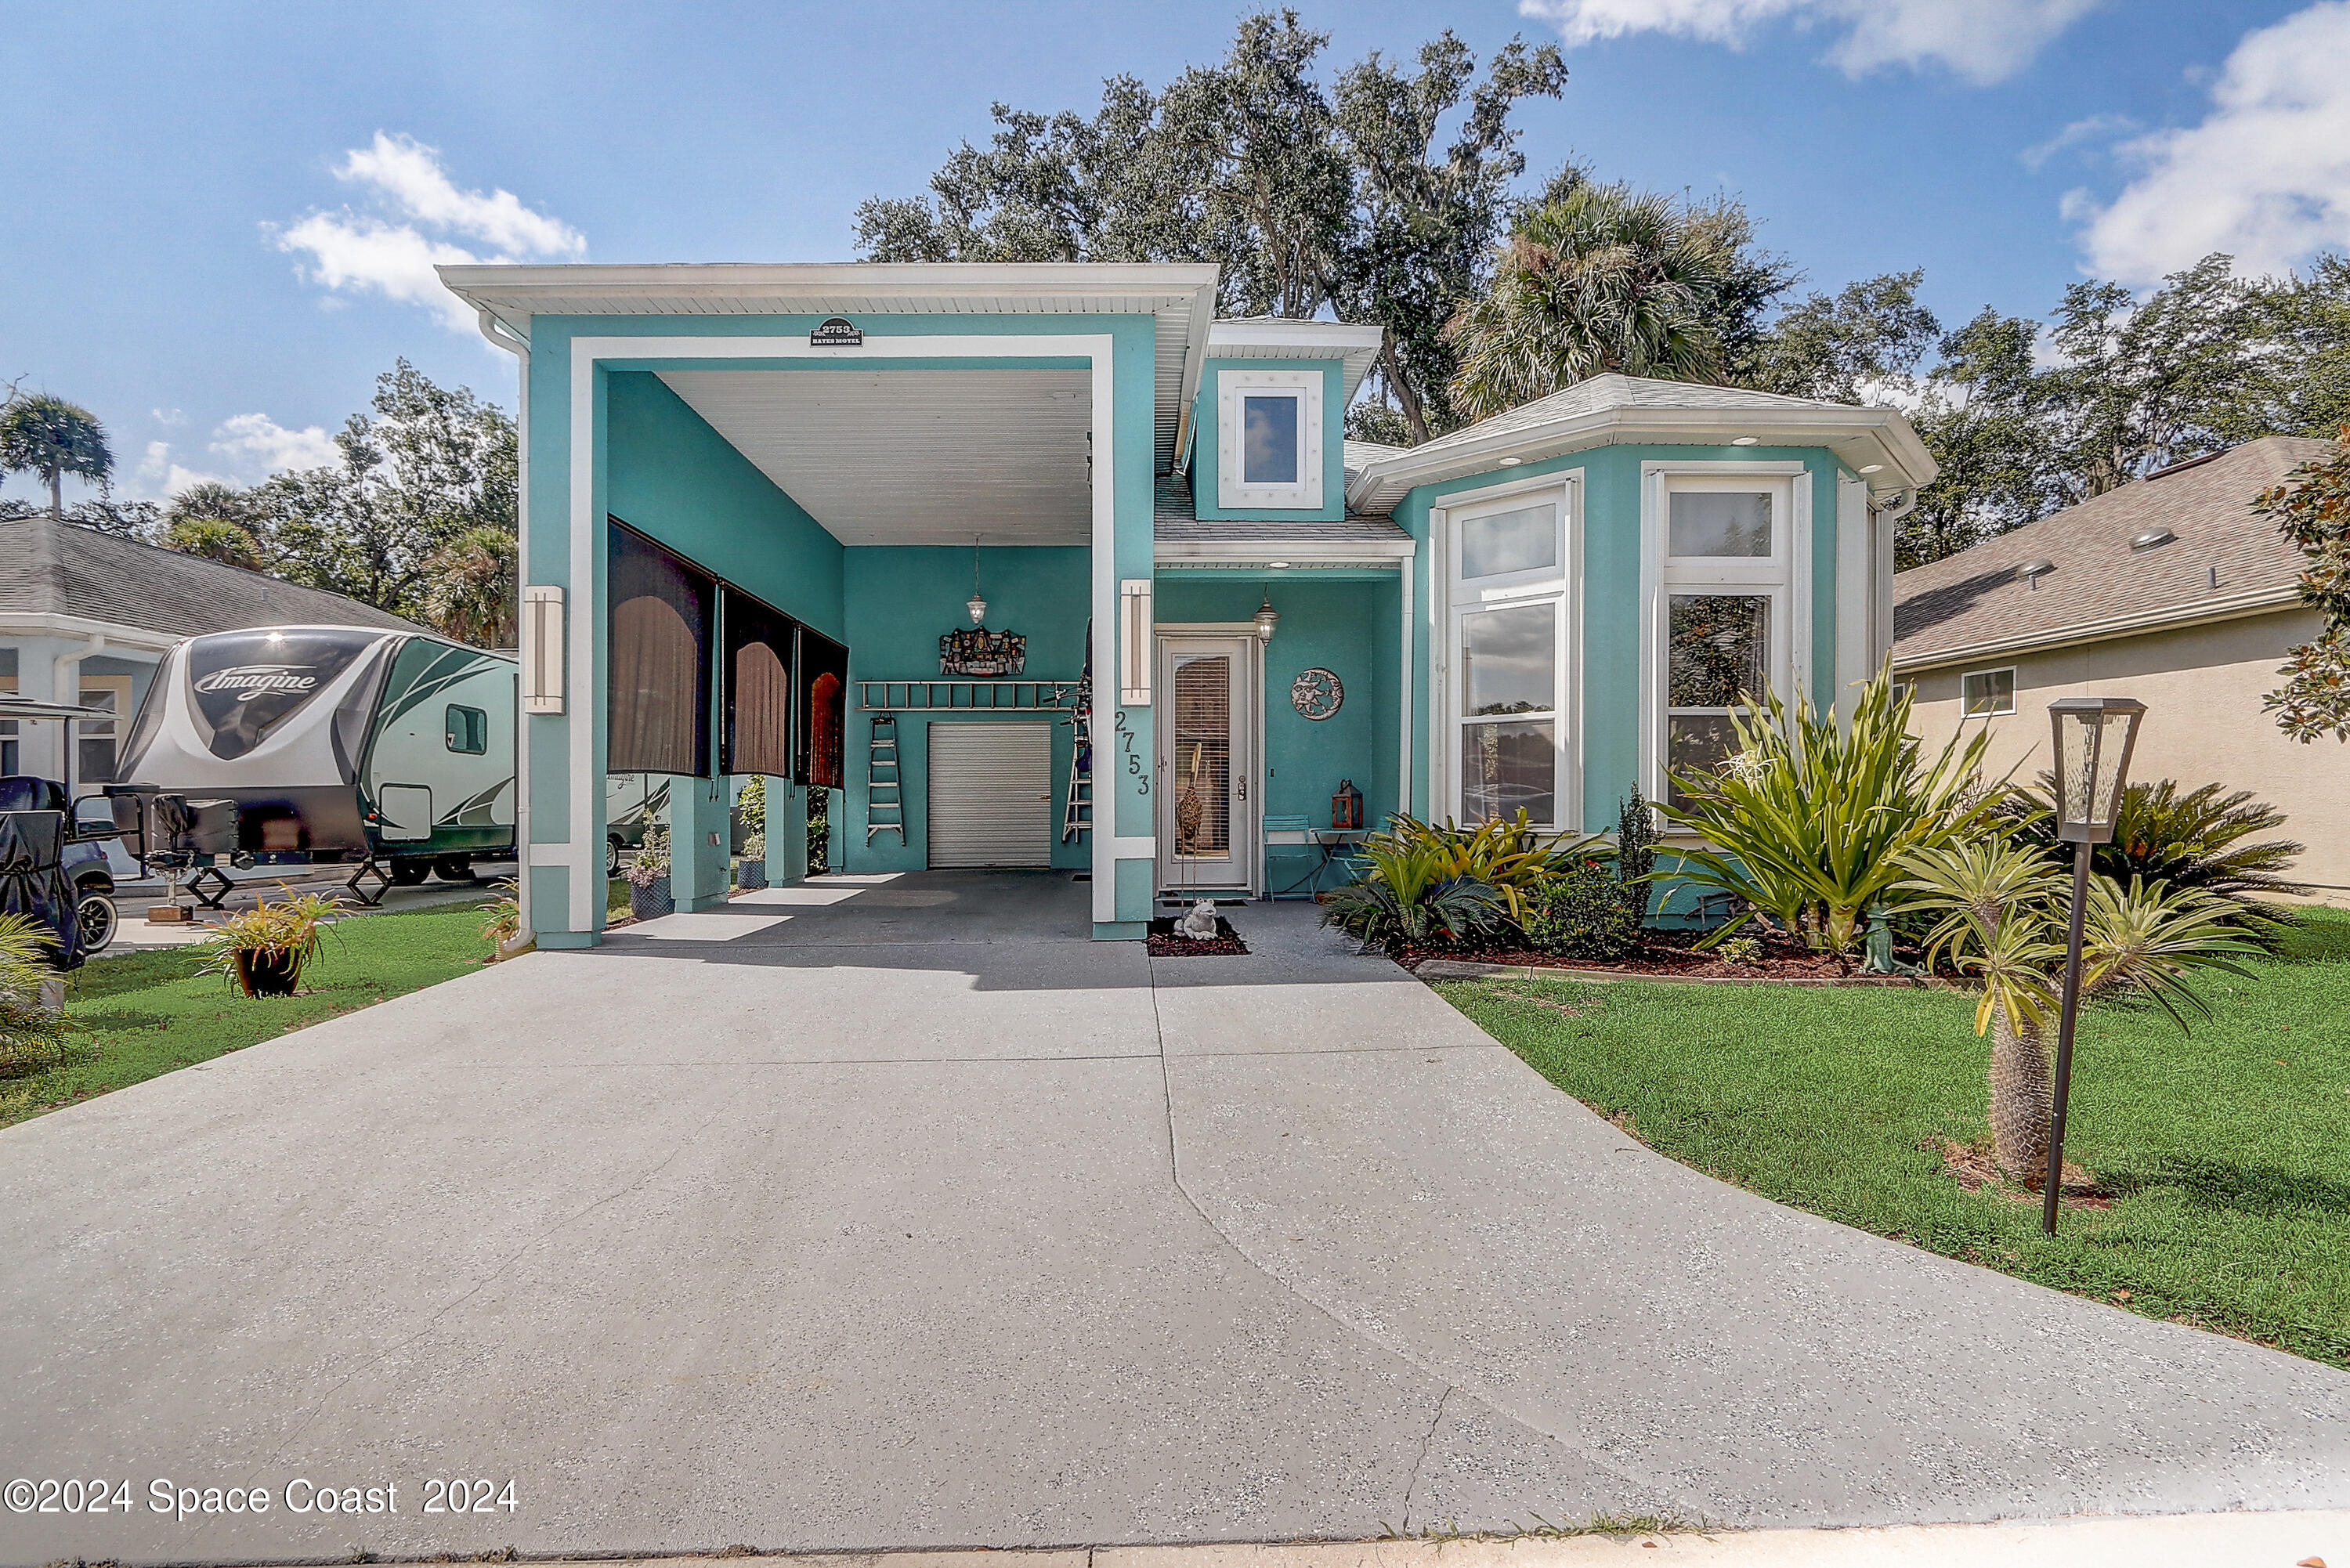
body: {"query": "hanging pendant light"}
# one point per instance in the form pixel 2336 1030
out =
pixel 1267 617
pixel 977 603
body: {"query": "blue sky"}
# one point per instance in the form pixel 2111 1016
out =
pixel 220 250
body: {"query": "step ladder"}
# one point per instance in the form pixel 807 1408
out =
pixel 885 799
pixel 1078 812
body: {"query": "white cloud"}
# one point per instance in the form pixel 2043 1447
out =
pixel 2080 133
pixel 260 441
pixel 1982 40
pixel 416 214
pixel 159 478
pixel 2265 177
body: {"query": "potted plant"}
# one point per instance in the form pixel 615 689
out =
pixel 649 893
pixel 751 871
pixel 264 947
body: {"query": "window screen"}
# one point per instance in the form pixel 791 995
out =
pixel 659 710
pixel 757 704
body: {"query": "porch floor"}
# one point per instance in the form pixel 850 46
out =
pixel 891 1212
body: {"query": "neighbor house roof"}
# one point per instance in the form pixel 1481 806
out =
pixel 1182 297
pixel 1613 409
pixel 2221 559
pixel 53 572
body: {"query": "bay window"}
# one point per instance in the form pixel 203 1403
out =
pixel 1510 657
pixel 1724 611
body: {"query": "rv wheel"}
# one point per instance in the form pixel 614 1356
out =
pixel 453 868
pixel 94 913
pixel 408 873
pixel 612 847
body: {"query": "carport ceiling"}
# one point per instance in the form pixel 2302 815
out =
pixel 913 457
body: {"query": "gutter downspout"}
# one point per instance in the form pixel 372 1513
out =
pixel 1888 523
pixel 514 343
pixel 64 685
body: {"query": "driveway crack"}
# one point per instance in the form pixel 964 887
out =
pixel 1428 1441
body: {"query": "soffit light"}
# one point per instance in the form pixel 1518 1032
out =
pixel 1872 468
pixel 1748 440
pixel 1508 462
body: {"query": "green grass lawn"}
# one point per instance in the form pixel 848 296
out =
pixel 142 1015
pixel 2228 1153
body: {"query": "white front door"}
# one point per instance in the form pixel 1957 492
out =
pixel 1207 724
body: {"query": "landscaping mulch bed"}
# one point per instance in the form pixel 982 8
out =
pixel 1162 941
pixel 1660 958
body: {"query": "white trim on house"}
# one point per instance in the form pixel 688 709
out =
pixel 1858 436
pixel 583 856
pixel 119 636
pixel 1356 347
pixel 1450 599
pixel 1783 579
pixel 1378 553
pixel 1234 489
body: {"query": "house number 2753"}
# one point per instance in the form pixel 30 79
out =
pixel 1133 759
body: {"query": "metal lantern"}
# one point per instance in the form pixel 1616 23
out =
pixel 977 603
pixel 2093 738
pixel 1267 617
pixel 1345 806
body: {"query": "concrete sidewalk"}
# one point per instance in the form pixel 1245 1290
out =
pixel 895 1214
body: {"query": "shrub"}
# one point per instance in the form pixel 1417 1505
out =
pixel 1411 895
pixel 1636 851
pixel 1581 913
pixel 31 1036
pixel 755 845
pixel 651 862
pixel 752 805
pixel 1507 856
pixel 501 915
pixel 1809 818
pixel 2194 839
pixel 293 928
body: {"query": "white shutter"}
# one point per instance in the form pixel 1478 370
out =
pixel 991 793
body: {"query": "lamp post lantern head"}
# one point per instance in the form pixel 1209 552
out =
pixel 2093 738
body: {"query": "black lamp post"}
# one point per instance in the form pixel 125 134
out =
pixel 2094 739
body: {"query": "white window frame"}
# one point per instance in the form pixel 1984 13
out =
pixel 1967 712
pixel 1233 386
pixel 1456 600
pixel 1784 577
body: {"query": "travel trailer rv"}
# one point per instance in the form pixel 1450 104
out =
pixel 339 742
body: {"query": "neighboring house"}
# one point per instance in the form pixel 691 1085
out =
pixel 2170 590
pixel 85 617
pixel 759 497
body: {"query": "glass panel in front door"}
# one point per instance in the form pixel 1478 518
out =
pixel 1203 756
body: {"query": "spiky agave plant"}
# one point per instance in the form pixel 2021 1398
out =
pixel 1808 819
pixel 2004 908
pixel 1410 895
pixel 1508 855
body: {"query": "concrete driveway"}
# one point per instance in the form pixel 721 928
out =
pixel 891 1212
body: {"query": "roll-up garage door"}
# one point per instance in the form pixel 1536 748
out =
pixel 990 792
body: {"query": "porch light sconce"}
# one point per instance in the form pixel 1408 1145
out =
pixel 1267 617
pixel 1134 643
pixel 2093 737
pixel 541 649
pixel 976 604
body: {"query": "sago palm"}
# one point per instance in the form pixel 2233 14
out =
pixel 2004 908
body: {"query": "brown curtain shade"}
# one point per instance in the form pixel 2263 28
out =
pixel 758 703
pixel 659 713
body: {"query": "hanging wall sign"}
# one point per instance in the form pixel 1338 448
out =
pixel 1316 693
pixel 975 650
pixel 837 333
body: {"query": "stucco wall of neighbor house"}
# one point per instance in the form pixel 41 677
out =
pixel 901 601
pixel 1610 623
pixel 1205 428
pixel 1334 619
pixel 549 411
pixel 2202 686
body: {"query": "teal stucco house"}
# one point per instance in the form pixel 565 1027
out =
pixel 930 538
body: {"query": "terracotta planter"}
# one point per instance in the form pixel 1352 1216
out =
pixel 268 974
pixel 651 900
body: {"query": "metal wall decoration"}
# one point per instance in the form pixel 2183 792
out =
pixel 977 652
pixel 1316 693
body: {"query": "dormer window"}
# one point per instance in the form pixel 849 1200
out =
pixel 1269 439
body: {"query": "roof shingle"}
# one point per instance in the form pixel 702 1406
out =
pixel 2222 552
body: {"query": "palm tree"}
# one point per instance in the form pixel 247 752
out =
pixel 468 590
pixel 214 539
pixel 53 437
pixel 2004 906
pixel 1596 279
